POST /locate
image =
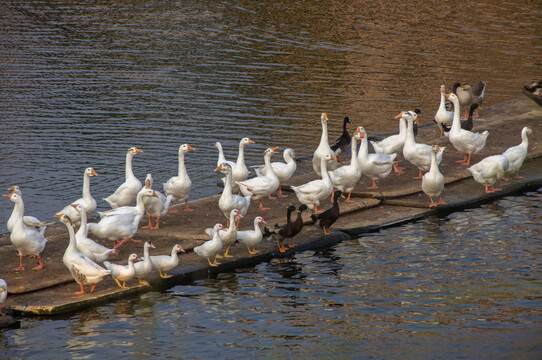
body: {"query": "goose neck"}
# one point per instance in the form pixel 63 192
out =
pixel 129 172
pixel 182 167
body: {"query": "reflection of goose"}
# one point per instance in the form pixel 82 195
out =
pixel 126 193
pixel 88 202
pixel 83 270
pixel 28 241
pixel 179 186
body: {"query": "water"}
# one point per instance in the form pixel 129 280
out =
pixel 467 285
pixel 82 82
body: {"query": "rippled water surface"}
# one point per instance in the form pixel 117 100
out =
pixel 82 81
pixel 467 285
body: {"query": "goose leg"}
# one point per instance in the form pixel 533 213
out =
pixel 118 283
pixel 226 255
pixel 464 160
pixel 316 211
pixel 150 224
pixel 40 266
pixel 271 197
pixel 280 194
pixel 261 206
pixel 21 266
pixel 291 243
pixel 281 248
pixel 80 292
pixel 327 232
pixel 92 287
pixel 186 208
pixel 432 203
pixel 517 176
pixel 397 168
pixel 374 187
pixel 215 262
pixel 420 176
pixel 164 275
pixel 348 198
pixel 440 201
pixel 157 226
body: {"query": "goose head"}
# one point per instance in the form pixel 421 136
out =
pixel 259 219
pixel 133 257
pixel 435 148
pixel 184 148
pixel 90 172
pixel 224 168
pixel 453 98
pixel 133 150
pixel 329 157
pixel 323 118
pixel 527 130
pixel 14 197
pixel 289 153
pixel 15 189
pixel 178 248
pixel 442 89
pixel 79 207
pixel 236 212
pixel 246 141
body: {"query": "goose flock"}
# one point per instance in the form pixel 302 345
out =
pixel 131 200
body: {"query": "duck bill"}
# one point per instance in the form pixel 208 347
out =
pixel 219 167
pixel 190 148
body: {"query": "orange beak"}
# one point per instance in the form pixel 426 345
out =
pixel 325 116
pixel 8 196
pixel 398 116
pixel 332 157
pixel 251 142
pixel 74 206
pixel 447 96
pixel 219 167
pixel 147 184
pixel 93 172
pixel 274 149
pixel 154 194
pixel 190 147
pixel 138 150
pixel 59 216
pixel 12 188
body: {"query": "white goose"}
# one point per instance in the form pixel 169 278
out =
pixel 393 144
pixel 284 171
pixel 489 170
pixel 229 201
pixel 418 154
pixel 433 180
pixel 239 169
pixel 164 263
pixel 179 186
pixel 126 193
pixel 312 192
pixel 27 240
pixel 29 222
pixel 221 157
pixel 323 149
pixel 84 270
pixel 3 294
pixel 122 272
pixel 86 246
pixel 463 140
pixel 155 206
pixel 121 223
pixel 144 267
pixel 346 177
pixel 375 166
pixel 228 235
pixel 516 154
pixel 252 237
pixel 211 248
pixel 87 200
pixel 443 116
pixel 262 186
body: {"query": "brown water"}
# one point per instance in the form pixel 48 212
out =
pixel 81 82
